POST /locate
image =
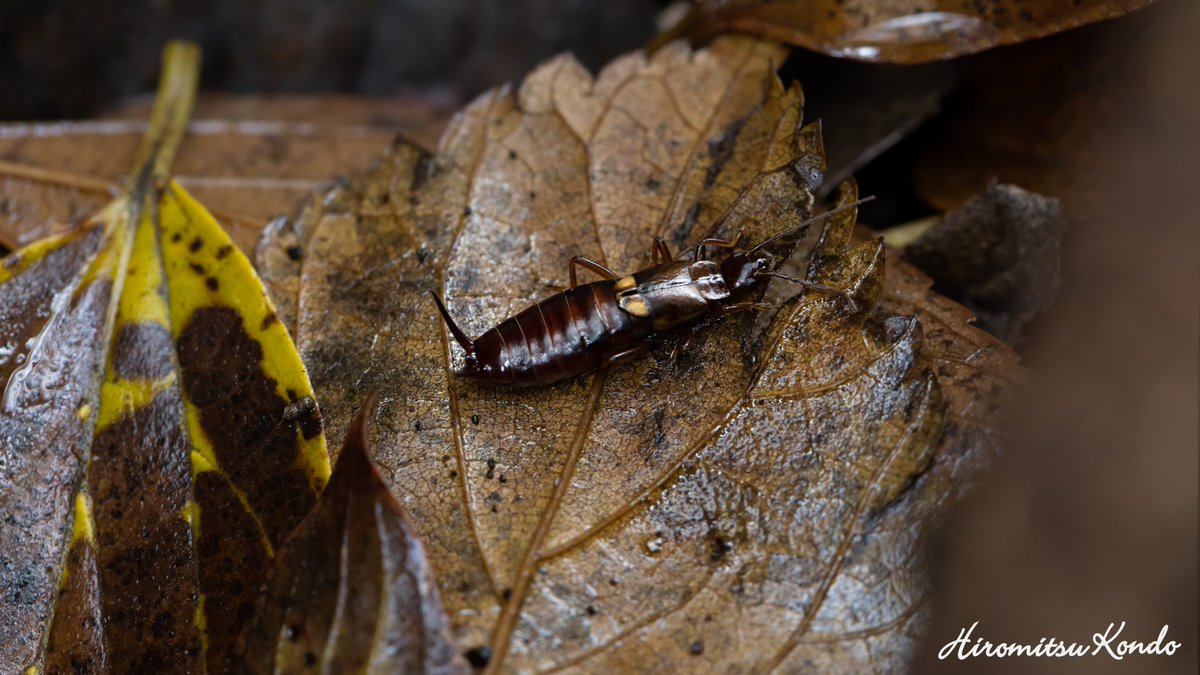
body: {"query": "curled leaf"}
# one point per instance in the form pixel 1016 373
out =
pixel 351 590
pixel 761 501
pixel 891 32
pixel 159 434
pixel 998 255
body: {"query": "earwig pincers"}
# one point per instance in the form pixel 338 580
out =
pixel 593 325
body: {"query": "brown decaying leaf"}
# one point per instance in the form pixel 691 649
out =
pixel 910 31
pixel 998 255
pixel 760 502
pixel 351 590
pixel 249 159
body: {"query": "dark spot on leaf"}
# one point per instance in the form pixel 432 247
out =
pixel 268 321
pixel 175 238
pixel 479 657
pixel 132 488
pixel 197 268
pixel 252 428
pixel 211 283
pixel 196 245
pixel 720 151
pixel 143 351
pixel 720 547
pixel 224 251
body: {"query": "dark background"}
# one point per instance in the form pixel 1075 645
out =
pixel 64 58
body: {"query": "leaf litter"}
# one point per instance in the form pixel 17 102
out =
pixel 761 501
pixel 159 433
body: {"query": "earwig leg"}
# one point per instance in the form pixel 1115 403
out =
pixel 592 265
pixel 743 307
pixel 460 337
pixel 685 341
pixel 627 353
pixel 849 296
pixel 659 253
pixel 718 242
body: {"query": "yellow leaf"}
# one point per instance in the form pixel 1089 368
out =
pixel 158 435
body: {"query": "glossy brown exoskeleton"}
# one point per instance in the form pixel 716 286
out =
pixel 591 326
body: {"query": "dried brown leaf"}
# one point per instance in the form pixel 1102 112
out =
pixel 351 590
pixel 760 502
pixel 249 159
pixel 894 32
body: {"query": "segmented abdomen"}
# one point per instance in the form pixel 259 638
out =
pixel 564 335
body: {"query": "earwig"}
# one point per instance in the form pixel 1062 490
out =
pixel 594 325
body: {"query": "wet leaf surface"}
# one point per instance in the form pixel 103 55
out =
pixel 761 501
pixel 915 31
pixel 351 590
pixel 158 433
pixel 998 255
pixel 248 159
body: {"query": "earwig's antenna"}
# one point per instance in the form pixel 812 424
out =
pixel 460 337
pixel 810 221
pixel 816 287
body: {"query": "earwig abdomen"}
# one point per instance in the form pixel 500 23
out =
pixel 564 335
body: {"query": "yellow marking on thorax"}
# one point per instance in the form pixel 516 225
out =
pixel 635 305
pixel 625 283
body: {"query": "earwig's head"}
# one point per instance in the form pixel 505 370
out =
pixel 742 271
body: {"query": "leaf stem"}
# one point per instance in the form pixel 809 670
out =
pixel 172 108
